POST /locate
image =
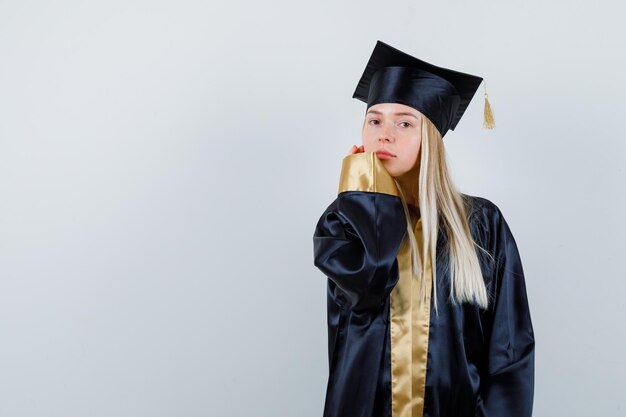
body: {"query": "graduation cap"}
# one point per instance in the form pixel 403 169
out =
pixel 441 94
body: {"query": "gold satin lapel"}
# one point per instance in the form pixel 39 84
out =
pixel 400 327
pixel 409 327
pixel 421 327
pixel 364 171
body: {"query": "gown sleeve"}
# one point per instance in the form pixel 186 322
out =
pixel 357 238
pixel 508 386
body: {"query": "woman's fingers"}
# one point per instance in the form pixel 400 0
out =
pixel 354 150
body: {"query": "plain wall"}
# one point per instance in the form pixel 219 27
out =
pixel 163 165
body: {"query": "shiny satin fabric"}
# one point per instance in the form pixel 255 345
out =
pixel 393 76
pixel 428 93
pixel 409 321
pixel 365 172
pixel 478 363
pixel 359 257
pixel 481 363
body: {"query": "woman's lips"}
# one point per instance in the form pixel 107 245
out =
pixel 384 155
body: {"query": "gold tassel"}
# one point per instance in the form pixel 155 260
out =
pixel 488 121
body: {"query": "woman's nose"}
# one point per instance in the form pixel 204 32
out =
pixel 386 135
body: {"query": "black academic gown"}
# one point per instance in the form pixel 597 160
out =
pixel 479 363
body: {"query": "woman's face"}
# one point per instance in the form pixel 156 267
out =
pixel 394 128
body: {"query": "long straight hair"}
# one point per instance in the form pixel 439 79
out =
pixel 438 197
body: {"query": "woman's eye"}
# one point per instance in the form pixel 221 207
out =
pixel 406 123
pixel 373 120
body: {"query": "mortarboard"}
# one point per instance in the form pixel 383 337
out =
pixel 441 94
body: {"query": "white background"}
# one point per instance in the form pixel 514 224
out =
pixel 163 165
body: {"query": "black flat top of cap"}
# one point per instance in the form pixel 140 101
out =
pixel 385 55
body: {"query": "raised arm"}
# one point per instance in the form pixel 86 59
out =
pixel 357 238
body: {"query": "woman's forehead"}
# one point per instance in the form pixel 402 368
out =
pixel 393 108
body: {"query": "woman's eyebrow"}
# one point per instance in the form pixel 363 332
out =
pixel 397 114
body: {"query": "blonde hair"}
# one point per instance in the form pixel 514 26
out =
pixel 438 197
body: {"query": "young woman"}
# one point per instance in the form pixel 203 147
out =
pixel 427 307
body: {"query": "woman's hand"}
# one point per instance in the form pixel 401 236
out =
pixel 354 150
